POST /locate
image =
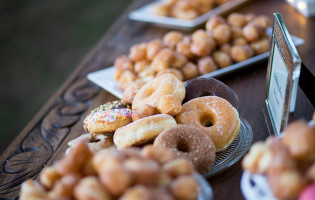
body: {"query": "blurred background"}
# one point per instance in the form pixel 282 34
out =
pixel 41 43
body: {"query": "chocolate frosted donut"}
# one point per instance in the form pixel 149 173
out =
pixel 200 87
pixel 191 143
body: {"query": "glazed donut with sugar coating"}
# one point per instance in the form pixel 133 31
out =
pixel 142 130
pixel 165 87
pixel 191 143
pixel 108 117
pixel 215 116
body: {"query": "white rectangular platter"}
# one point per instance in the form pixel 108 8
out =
pixel 144 14
pixel 105 77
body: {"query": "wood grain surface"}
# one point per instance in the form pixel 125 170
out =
pixel 44 140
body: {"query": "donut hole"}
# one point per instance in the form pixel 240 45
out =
pixel 93 139
pixel 206 120
pixel 183 146
pixel 208 124
pixel 96 140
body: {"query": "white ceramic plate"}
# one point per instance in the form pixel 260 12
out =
pixel 105 77
pixel 255 187
pixel 144 14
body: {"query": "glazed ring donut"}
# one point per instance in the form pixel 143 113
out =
pixel 215 116
pixel 142 130
pixel 95 142
pixel 108 117
pixel 191 143
pixel 163 94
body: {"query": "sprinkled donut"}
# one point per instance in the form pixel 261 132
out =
pixel 215 116
pixel 191 143
pixel 108 117
pixel 163 94
pixel 142 130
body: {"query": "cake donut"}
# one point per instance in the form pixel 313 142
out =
pixel 200 87
pixel 108 117
pixel 191 143
pixel 215 116
pixel 163 94
pixel 142 130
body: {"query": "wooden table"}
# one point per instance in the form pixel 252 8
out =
pixel 45 138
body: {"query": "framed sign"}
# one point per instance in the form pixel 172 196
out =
pixel 283 74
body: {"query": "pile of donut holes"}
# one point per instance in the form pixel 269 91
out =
pixel 222 43
pixel 288 162
pixel 184 9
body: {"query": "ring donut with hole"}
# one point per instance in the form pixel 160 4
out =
pixel 215 116
pixel 163 94
pixel 189 142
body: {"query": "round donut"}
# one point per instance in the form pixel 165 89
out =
pixel 142 130
pixel 108 117
pixel 191 143
pixel 200 87
pixel 146 101
pixel 95 142
pixel 215 116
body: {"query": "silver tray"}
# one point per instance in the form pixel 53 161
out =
pixel 234 152
pixel 105 77
pixel 145 15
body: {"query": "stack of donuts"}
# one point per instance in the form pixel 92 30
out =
pixel 154 113
pixel 176 139
pixel 288 162
pixel 184 9
pixel 222 43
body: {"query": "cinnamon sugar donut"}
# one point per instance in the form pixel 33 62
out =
pixel 147 100
pixel 191 143
pixel 215 116
pixel 108 117
pixel 142 130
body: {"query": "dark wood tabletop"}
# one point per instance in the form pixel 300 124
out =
pixel 45 138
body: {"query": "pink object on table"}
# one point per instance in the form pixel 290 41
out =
pixel 308 193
